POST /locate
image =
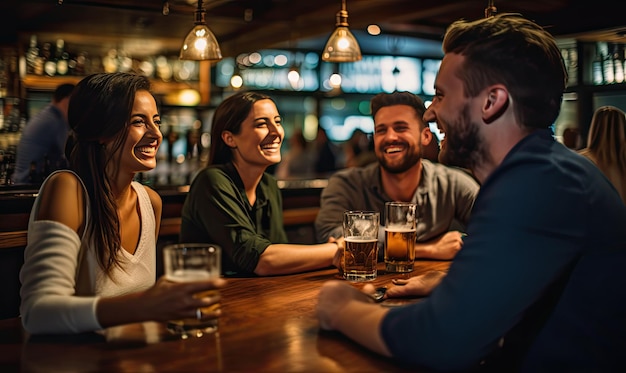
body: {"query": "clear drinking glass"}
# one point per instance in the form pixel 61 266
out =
pixel 360 231
pixel 399 246
pixel 188 262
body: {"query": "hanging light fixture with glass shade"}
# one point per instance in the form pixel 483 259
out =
pixel 342 45
pixel 200 43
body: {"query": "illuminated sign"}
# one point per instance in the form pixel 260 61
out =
pixel 270 69
pixel 374 74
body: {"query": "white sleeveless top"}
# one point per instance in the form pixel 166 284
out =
pixel 138 271
pixel 61 279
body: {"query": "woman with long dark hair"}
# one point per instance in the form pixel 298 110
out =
pixel 236 204
pixel 90 262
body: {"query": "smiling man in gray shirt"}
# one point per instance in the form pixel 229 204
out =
pixel 444 195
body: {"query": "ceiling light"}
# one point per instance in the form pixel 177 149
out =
pixel 200 43
pixel 373 30
pixel 342 45
pixel 491 9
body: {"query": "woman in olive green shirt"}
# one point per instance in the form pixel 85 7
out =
pixel 235 204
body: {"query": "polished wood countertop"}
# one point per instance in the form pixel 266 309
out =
pixel 268 325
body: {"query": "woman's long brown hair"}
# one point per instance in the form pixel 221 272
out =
pixel 99 110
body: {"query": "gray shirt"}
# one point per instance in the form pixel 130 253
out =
pixel 445 197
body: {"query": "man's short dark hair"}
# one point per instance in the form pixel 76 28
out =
pixel 397 98
pixel 62 91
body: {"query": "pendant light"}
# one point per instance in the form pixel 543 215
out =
pixel 342 45
pixel 200 43
pixel 491 9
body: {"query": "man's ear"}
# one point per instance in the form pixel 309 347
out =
pixel 229 139
pixel 496 104
pixel 427 136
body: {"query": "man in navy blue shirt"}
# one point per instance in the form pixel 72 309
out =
pixel 539 284
pixel 41 149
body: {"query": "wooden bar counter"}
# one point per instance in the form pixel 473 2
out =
pixel 301 200
pixel 268 325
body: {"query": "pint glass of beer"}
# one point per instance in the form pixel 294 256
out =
pixel 187 262
pixel 399 236
pixel 360 231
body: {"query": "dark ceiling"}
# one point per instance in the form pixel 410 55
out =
pixel 247 25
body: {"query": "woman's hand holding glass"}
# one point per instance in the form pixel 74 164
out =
pixel 168 300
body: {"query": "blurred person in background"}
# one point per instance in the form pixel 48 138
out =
pixel 298 161
pixel 606 145
pixel 237 205
pixel 90 262
pixel 41 149
pixel 326 155
pixel 359 149
pixel 571 138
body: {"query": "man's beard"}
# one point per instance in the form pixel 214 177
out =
pixel 463 144
pixel 409 161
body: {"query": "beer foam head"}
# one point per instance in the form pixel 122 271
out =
pixel 400 228
pixel 360 239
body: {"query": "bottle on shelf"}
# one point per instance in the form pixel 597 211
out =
pixel 49 65
pixel 81 63
pixel 110 63
pixel 39 62
pixel 573 66
pixel 618 63
pixel 4 78
pixel 7 165
pixel 32 55
pixel 62 57
pixel 14 118
pixel 598 71
pixel 125 62
pixel 71 63
pixel 565 55
pixel 623 55
pixel 3 168
pixel 607 63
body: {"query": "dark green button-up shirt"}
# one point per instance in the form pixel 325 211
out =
pixel 217 211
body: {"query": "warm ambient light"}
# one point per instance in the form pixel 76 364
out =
pixel 189 97
pixel 373 30
pixel 183 97
pixel 335 80
pixel 293 76
pixel 200 43
pixel 236 81
pixel 342 45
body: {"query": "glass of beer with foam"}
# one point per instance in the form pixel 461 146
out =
pixel 399 248
pixel 360 231
pixel 188 262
